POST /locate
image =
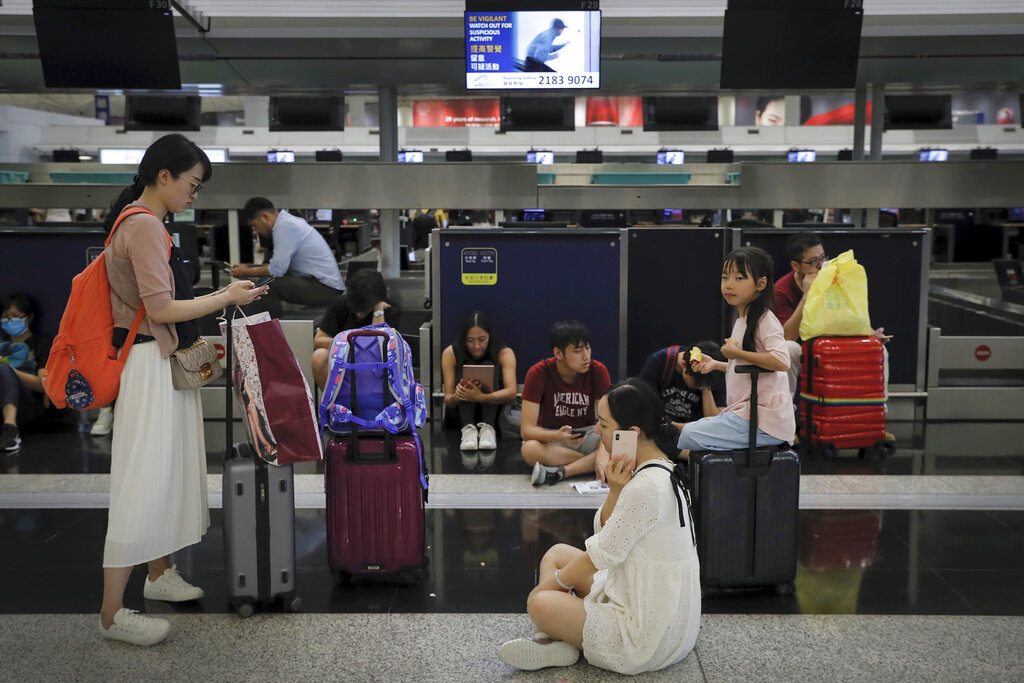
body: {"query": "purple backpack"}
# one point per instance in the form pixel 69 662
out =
pixel 370 383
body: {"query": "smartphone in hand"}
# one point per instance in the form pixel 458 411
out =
pixel 624 443
pixel 580 431
pixel 266 281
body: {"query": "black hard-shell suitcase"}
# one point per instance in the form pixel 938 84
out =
pixel 745 510
pixel 259 525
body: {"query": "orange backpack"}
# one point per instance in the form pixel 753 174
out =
pixel 84 369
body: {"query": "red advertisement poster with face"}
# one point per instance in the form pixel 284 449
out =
pixel 456 113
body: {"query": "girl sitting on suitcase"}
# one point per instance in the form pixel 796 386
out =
pixel 757 339
pixel 631 600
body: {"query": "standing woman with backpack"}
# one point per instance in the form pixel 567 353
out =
pixel 158 456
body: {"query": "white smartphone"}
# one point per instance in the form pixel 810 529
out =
pixel 624 443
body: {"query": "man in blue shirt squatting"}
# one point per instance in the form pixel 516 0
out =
pixel 541 48
pixel 302 264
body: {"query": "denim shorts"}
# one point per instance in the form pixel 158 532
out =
pixel 724 432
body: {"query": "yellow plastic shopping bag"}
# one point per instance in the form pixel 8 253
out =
pixel 837 302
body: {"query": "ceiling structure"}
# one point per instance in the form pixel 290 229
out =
pixel 263 47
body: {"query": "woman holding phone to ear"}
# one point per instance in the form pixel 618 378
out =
pixel 631 600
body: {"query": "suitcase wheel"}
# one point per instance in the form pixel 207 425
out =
pixel 784 588
pixel 342 578
pixel 245 610
pixel 294 604
pixel 880 451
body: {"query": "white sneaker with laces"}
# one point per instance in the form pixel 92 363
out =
pixel 170 587
pixel 131 627
pixel 104 424
pixel 529 654
pixel 488 439
pixel 470 438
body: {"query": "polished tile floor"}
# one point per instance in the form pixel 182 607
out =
pixel 899 562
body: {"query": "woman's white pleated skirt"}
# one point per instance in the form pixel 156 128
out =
pixel 158 500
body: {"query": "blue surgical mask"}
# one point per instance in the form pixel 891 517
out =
pixel 15 327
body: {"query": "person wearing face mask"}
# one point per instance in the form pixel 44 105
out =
pixel 23 357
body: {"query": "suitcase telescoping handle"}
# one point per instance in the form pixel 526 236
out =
pixel 228 417
pixel 754 371
pixel 389 450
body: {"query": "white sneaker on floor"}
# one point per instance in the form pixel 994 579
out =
pixel 170 587
pixel 529 654
pixel 470 438
pixel 104 424
pixel 131 627
pixel 488 439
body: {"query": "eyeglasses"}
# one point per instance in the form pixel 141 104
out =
pixel 196 187
pixel 15 319
pixel 817 261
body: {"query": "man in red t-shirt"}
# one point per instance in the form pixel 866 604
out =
pixel 560 398
pixel 806 257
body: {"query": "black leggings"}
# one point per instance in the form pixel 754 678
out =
pixel 468 411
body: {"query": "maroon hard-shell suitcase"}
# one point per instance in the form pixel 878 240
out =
pixel 376 485
pixel 375 506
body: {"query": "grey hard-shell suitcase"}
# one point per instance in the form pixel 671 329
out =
pixel 745 510
pixel 259 525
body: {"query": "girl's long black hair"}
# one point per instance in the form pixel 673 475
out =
pixel 176 153
pixel 483 321
pixel 757 264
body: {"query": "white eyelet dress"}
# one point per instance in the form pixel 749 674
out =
pixel 643 611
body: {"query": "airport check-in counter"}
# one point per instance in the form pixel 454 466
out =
pixel 643 306
pixel 641 289
pixel 896 261
pixel 975 356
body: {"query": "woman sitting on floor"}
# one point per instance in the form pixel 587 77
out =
pixel 631 600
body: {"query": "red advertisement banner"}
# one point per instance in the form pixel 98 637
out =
pixel 456 113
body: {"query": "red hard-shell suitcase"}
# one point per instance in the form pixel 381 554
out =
pixel 376 485
pixel 842 394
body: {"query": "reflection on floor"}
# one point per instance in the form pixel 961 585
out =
pixel 903 563
pixel 851 562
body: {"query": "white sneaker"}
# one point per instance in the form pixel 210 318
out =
pixel 131 627
pixel 488 439
pixel 104 424
pixel 529 654
pixel 170 587
pixel 470 438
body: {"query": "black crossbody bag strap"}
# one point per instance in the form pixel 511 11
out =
pixel 678 476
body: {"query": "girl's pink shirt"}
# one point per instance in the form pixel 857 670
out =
pixel 774 402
